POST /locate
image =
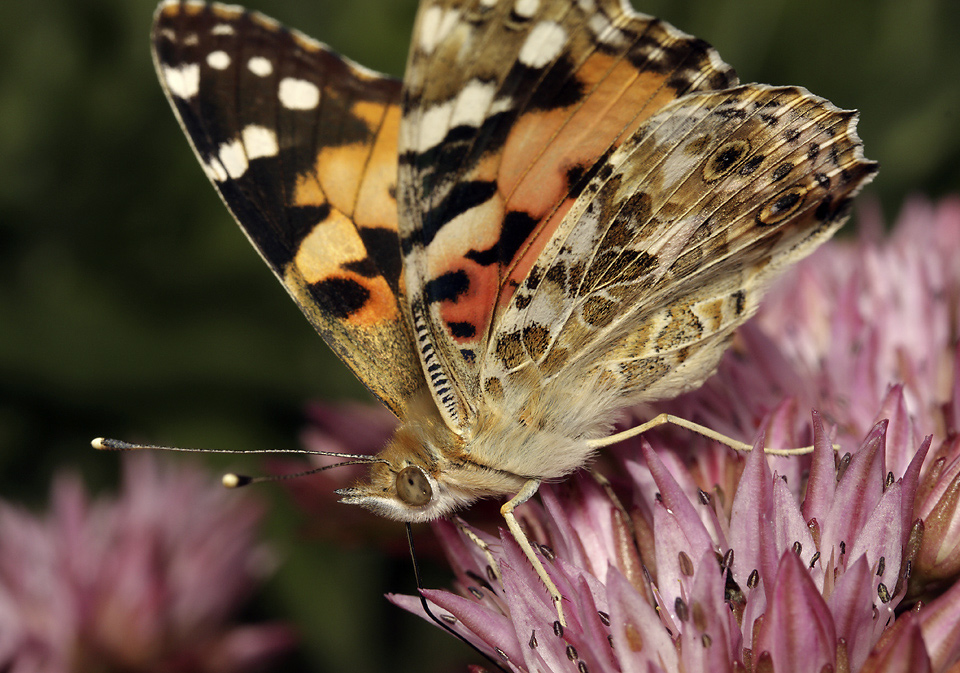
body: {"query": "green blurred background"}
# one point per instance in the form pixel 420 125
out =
pixel 131 306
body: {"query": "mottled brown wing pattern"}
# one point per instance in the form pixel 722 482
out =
pixel 508 108
pixel 301 144
pixel 672 243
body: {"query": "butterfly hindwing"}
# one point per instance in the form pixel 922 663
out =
pixel 301 144
pixel 671 245
pixel 508 108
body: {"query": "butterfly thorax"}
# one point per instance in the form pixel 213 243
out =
pixel 495 457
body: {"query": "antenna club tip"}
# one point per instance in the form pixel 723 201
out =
pixel 99 443
pixel 231 480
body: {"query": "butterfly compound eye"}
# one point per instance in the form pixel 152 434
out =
pixel 413 487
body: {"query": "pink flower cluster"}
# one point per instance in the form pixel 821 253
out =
pixel 148 581
pixel 698 559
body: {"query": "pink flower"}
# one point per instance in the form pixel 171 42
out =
pixel 144 582
pixel 699 559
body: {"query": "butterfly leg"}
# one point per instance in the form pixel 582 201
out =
pixel 492 566
pixel 507 511
pixel 670 419
pixel 607 487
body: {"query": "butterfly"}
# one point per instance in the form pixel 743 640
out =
pixel 565 208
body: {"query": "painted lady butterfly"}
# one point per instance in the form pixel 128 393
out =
pixel 565 208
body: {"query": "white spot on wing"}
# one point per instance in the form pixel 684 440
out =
pixel 215 170
pixel 183 81
pixel 191 40
pixel 472 103
pixel 544 43
pixel 234 158
pixel 260 66
pixel 298 94
pixel 435 25
pixel 526 8
pixel 605 31
pixel 502 104
pixel 433 125
pixel 716 62
pixel 656 54
pixel 218 60
pixel 259 141
pixel 429 25
pixel 223 29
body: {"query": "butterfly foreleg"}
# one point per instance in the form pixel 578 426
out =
pixel 664 419
pixel 492 564
pixel 527 492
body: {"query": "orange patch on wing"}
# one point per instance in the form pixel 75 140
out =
pixel 308 192
pixel 475 306
pixel 381 306
pixel 370 112
pixel 619 99
pixel 478 229
pixel 542 142
pixel 339 172
pixel 331 244
pixel 358 179
pixel 376 200
pixel 660 97
pixel 543 147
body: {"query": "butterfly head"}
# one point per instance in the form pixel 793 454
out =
pixel 423 474
pixel 407 483
pixel 407 493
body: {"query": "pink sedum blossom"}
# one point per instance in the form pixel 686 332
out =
pixel 696 558
pixel 147 581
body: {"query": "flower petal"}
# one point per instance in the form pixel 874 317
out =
pixel 797 629
pixel 639 638
pixel 903 650
pixel 790 530
pixel 486 626
pixel 880 540
pixel 858 492
pixel 851 605
pixel 822 482
pixel 940 623
pixel 710 638
pixel 751 532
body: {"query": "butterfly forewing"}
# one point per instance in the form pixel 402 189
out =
pixel 302 146
pixel 507 109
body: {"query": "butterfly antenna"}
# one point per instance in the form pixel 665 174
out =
pixel 426 606
pixel 232 480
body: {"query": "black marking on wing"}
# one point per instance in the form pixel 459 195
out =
pixel 447 287
pixel 463 197
pixel 340 297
